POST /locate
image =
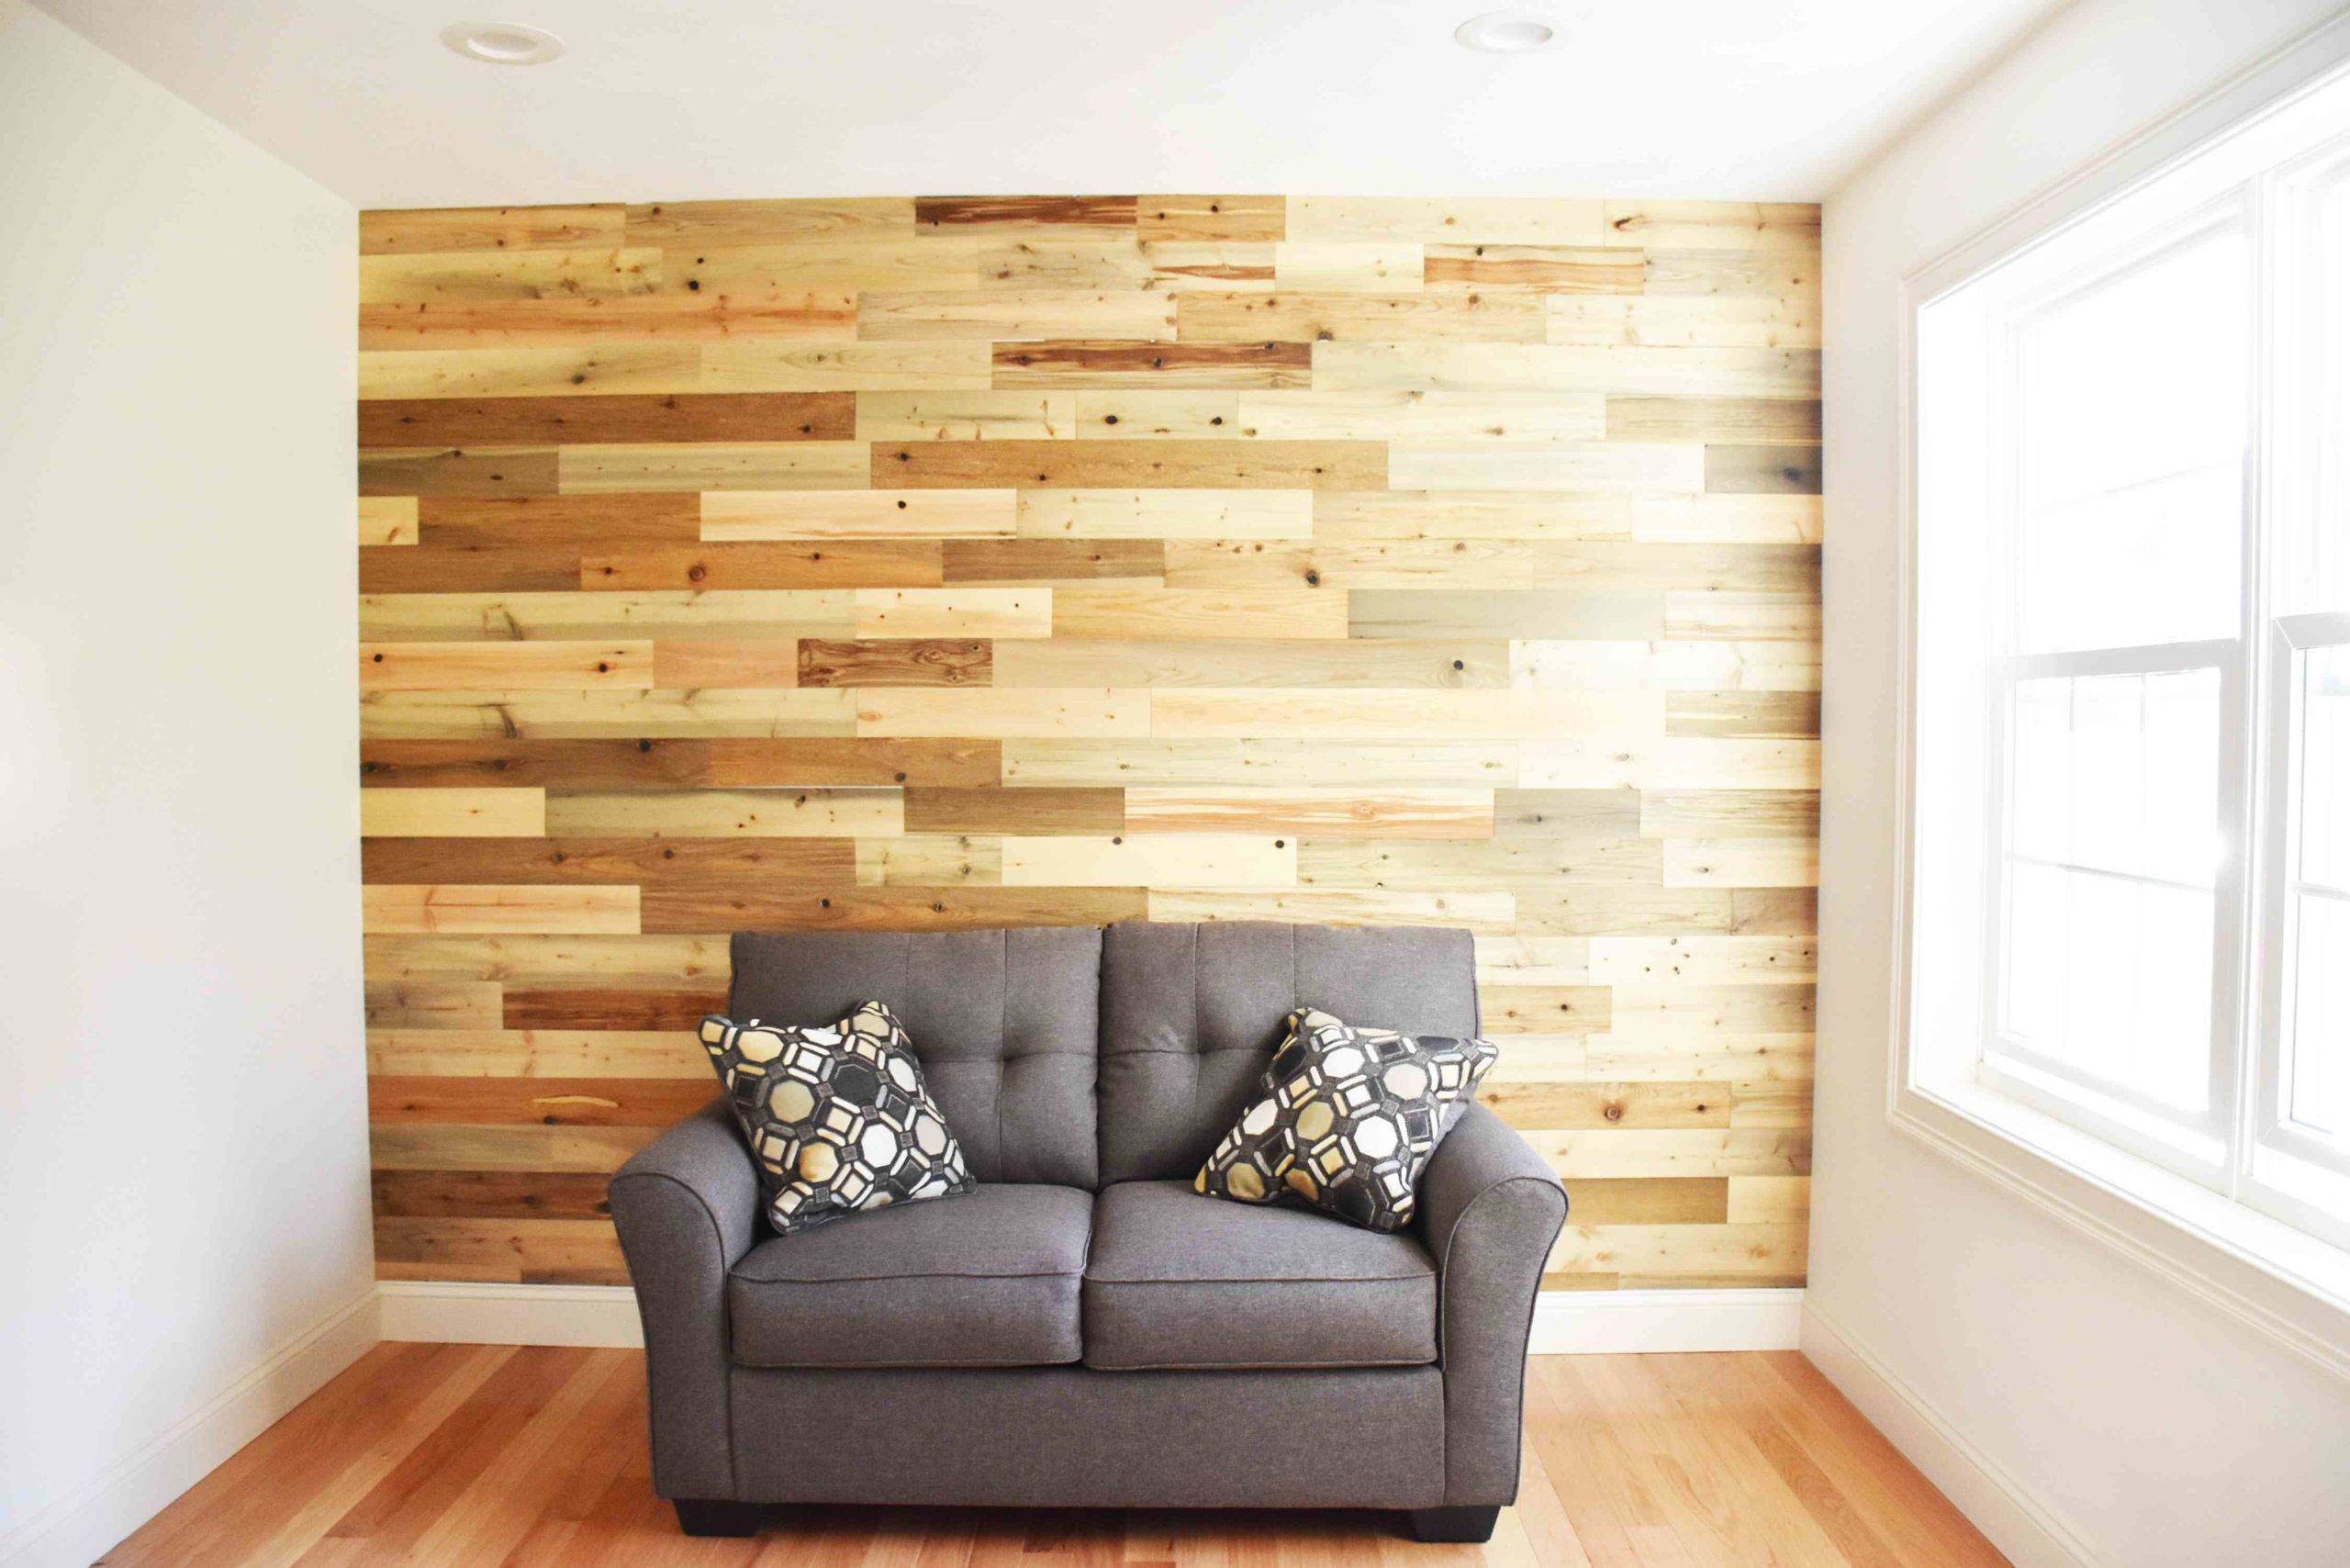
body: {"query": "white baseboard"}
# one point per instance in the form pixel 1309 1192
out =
pixel 80 1528
pixel 2002 1508
pixel 1565 1322
pixel 511 1315
pixel 1586 1322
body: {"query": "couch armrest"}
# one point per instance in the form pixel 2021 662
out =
pixel 1490 1210
pixel 688 1208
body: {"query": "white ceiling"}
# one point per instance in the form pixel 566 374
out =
pixel 675 100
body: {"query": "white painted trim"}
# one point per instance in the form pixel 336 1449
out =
pixel 1592 1323
pixel 1565 1322
pixel 511 1315
pixel 84 1525
pixel 2000 1504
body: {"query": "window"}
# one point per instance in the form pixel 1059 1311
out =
pixel 2129 874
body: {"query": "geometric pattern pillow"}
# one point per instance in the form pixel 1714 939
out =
pixel 836 1114
pixel 1347 1119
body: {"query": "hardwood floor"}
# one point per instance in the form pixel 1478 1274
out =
pixel 528 1457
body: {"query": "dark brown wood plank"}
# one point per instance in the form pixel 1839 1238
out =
pixel 1017 810
pixel 896 662
pixel 967 212
pixel 495 1194
pixel 413 568
pixel 645 417
pixel 589 1007
pixel 459 471
pixel 542 1102
pixel 488 522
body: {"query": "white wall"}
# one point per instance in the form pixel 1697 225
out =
pixel 2140 1426
pixel 183 1128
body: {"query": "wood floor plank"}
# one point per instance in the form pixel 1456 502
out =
pixel 536 1457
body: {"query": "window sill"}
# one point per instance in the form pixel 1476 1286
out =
pixel 2282 1282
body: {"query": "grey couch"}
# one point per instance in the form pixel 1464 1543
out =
pixel 1084 1329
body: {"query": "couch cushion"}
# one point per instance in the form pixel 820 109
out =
pixel 1006 1023
pixel 1178 1280
pixel 1190 1015
pixel 988 1279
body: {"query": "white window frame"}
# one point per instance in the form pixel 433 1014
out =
pixel 2244 1246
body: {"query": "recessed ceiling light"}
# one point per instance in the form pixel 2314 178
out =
pixel 501 43
pixel 1505 33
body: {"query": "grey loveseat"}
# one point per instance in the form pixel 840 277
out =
pixel 1084 1329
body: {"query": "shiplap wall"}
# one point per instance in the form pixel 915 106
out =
pixel 928 563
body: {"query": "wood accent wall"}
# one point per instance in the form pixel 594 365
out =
pixel 942 562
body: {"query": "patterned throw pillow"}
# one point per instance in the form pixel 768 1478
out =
pixel 1347 1120
pixel 837 1115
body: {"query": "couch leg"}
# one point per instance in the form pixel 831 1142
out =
pixel 1455 1524
pixel 699 1518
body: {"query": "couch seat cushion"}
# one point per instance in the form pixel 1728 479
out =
pixel 987 1279
pixel 1178 1280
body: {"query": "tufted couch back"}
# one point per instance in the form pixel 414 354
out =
pixel 1083 1057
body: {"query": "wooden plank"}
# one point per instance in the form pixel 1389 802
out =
pixel 497 522
pixel 714 466
pixel 1210 218
pixel 1327 813
pixel 965 416
pixel 496 1052
pixel 1274 761
pixel 1742 863
pixel 954 614
pixel 1659 320
pixel 1764 421
pixel 1187 860
pixel 573 615
pixel 744 516
pixel 520 666
pixel 1166 514
pixel 1025 811
pixel 1552 269
pixel 1579 467
pixel 1423 417
pixel 707 712
pixel 395 908
pixel 393 1100
pixel 1198 613
pixel 553 422
pixel 1022 214
pixel 645 763
pixel 1615 370
pixel 1014 315
pixel 1341 267
pixel 843 562
pixel 1657 762
pixel 1140 562
pixel 1241 662
pixel 1059 712
pixel 647 859
pixel 1477 911
pixel 488 228
pixel 684 224
pixel 453 813
pixel 692 664
pixel 756 366
pixel 450 471
pixel 1731 813
pixel 1476 714
pixel 680 320
pixel 588 371
pixel 1763 470
pixel 1151 415
pixel 387 520
pixel 1114 465
pixel 1110 362
pixel 1440 317
pixel 1505 221
pixel 727 813
pixel 896 662
pixel 446 277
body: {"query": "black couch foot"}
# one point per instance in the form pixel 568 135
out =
pixel 1455 1524
pixel 696 1517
